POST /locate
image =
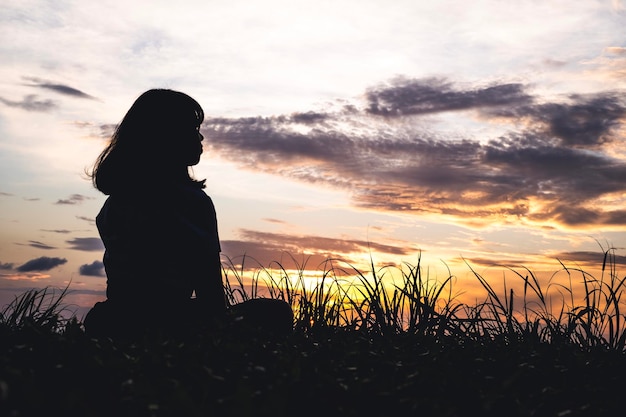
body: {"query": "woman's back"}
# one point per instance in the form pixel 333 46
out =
pixel 157 242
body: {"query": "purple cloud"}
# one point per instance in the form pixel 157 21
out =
pixel 94 269
pixel 43 263
pixel 89 244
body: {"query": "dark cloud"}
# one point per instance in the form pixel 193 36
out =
pixel 252 255
pixel 308 117
pixel 106 130
pixel 73 199
pixel 321 244
pixel 585 120
pixel 60 231
pixel 413 97
pixel 551 167
pixel 590 258
pixel 30 103
pixel 41 264
pixel 38 245
pixel 543 169
pixel 6 266
pixel 488 262
pixel 264 249
pixel 89 220
pixel 89 244
pixel 274 139
pixel 94 269
pixel 58 88
pixel 6 194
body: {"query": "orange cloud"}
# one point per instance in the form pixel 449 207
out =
pixel 25 277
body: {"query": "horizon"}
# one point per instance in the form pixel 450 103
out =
pixel 493 135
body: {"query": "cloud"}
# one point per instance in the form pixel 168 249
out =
pixel 490 262
pixel 73 199
pixel 41 264
pixel 31 276
pixel 37 244
pixel 554 63
pixel 321 244
pixel 611 64
pixel 94 269
pixel 272 220
pixel 252 255
pixel 404 97
pixel 552 165
pixel 616 50
pixel 104 131
pixel 58 88
pixel 590 258
pixel 290 250
pixel 6 266
pixel 89 220
pixel 6 194
pixel 60 231
pixel 30 103
pixel 89 244
pixel 584 120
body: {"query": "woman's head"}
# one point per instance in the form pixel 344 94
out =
pixel 157 139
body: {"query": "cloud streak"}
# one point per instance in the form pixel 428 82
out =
pixel 88 244
pixel 404 97
pixel 591 258
pixel 30 103
pixel 57 88
pixel 6 266
pixel 553 164
pixel 43 263
pixel 59 231
pixel 292 251
pixel 73 199
pixel 37 244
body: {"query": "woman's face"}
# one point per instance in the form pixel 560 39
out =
pixel 191 142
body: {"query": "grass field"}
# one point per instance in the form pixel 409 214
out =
pixel 362 345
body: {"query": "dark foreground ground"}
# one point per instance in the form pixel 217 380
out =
pixel 326 373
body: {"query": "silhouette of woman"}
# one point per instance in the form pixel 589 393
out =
pixel 159 228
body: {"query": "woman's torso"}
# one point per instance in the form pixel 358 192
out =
pixel 157 242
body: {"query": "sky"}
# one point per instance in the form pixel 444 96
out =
pixel 482 135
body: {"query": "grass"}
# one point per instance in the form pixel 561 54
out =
pixel 42 309
pixel 392 339
pixel 347 298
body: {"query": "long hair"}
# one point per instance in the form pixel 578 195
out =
pixel 143 145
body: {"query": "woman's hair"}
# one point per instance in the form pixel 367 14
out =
pixel 143 146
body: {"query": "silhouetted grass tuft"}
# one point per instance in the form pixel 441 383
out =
pixel 43 309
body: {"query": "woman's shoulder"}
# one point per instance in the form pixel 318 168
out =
pixel 164 196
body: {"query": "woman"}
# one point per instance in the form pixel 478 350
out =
pixel 158 226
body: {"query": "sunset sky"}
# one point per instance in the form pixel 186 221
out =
pixel 487 131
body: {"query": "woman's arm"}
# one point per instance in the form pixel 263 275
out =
pixel 210 289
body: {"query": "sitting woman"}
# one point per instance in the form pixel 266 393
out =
pixel 159 229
